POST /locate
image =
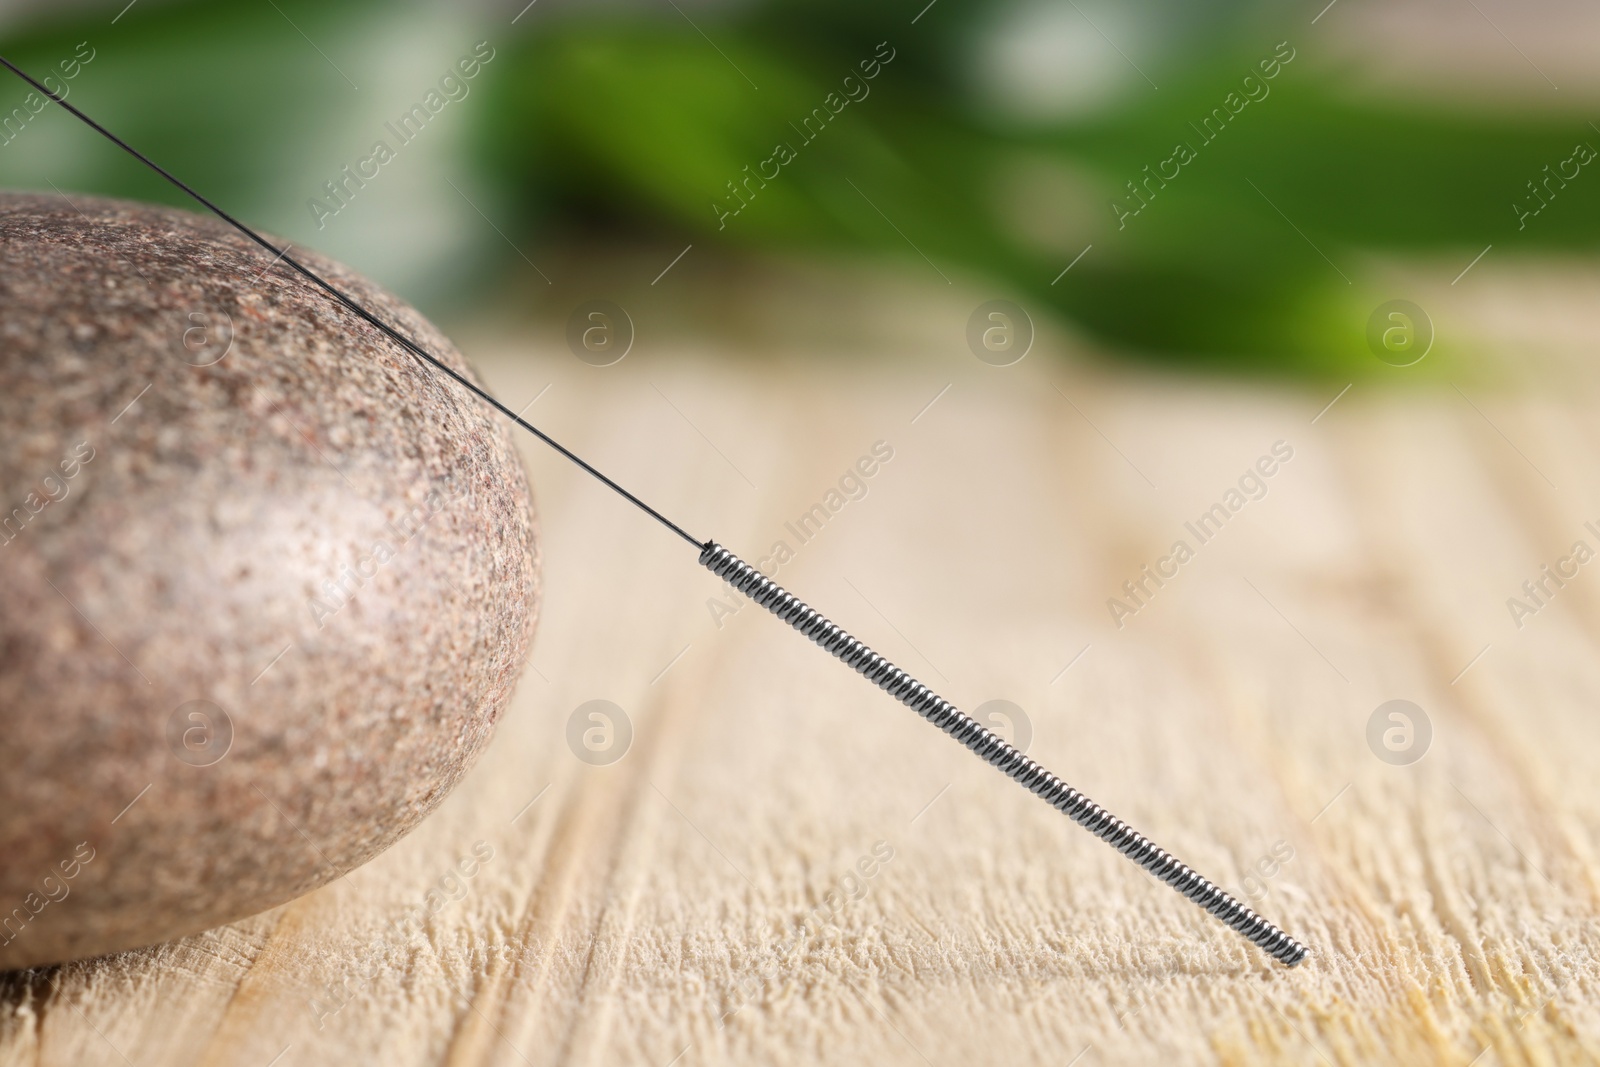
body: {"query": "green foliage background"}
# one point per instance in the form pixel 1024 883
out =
pixel 622 119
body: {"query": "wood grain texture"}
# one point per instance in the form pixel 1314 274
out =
pixel 645 912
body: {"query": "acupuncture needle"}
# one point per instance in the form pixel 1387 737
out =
pixel 722 562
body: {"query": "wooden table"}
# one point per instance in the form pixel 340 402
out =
pixel 646 911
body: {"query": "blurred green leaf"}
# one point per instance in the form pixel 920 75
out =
pixel 1258 254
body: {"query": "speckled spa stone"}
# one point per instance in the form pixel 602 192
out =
pixel 313 534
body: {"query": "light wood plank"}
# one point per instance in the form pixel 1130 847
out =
pixel 644 912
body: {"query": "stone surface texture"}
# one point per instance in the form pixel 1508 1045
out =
pixel 219 486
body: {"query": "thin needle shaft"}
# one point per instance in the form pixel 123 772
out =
pixel 812 624
pixel 282 255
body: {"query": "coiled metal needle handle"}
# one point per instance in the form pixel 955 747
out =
pixel 1058 794
pixel 807 620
